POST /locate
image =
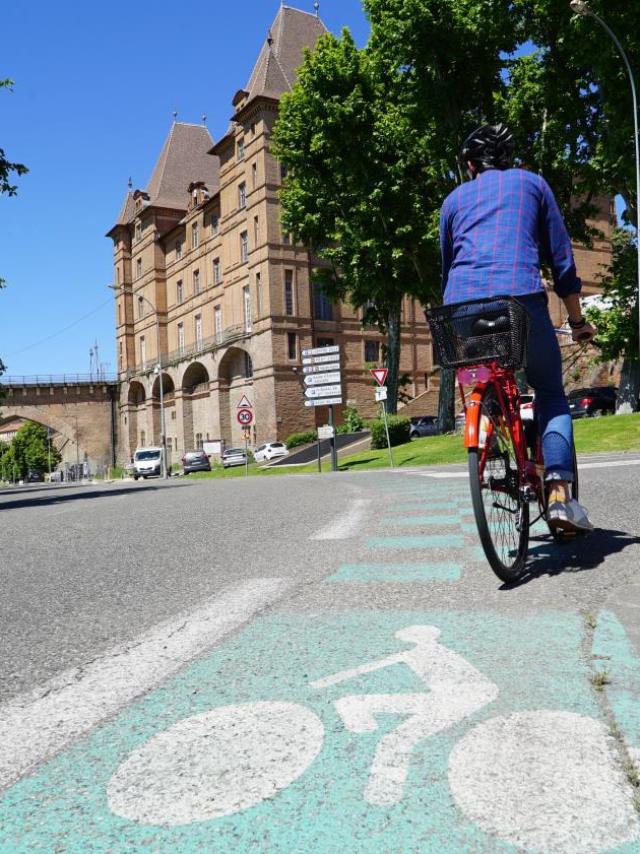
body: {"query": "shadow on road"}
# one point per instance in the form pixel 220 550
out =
pixel 59 496
pixel 580 554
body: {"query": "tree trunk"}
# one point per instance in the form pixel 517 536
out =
pixel 629 391
pixel 446 401
pixel 393 356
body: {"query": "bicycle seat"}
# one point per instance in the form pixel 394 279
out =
pixel 490 325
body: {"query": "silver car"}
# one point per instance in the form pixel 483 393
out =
pixel 234 457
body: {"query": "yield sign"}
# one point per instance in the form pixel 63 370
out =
pixel 245 403
pixel 380 375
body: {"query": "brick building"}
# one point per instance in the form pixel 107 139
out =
pixel 204 273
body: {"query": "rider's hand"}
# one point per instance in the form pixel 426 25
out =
pixel 583 333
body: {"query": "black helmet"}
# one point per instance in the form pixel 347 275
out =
pixel 489 147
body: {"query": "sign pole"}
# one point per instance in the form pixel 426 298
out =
pixel 246 452
pixel 334 454
pixel 386 427
pixel 319 457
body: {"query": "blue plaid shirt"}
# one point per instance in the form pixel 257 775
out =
pixel 492 233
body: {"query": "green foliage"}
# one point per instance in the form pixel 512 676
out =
pixel 29 451
pixel 353 421
pixel 297 439
pixel 399 428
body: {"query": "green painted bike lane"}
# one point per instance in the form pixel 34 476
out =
pixel 258 745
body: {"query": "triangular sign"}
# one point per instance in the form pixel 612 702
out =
pixel 245 403
pixel 380 375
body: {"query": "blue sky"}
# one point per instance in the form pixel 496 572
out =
pixel 95 88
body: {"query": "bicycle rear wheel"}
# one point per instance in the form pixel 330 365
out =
pixel 499 505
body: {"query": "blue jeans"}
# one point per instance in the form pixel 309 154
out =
pixel 544 375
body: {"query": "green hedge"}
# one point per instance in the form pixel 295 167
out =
pixel 296 439
pixel 398 431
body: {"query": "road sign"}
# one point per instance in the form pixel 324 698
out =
pixel 245 403
pixel 324 391
pixel 320 360
pixel 321 351
pixel 325 401
pixel 245 417
pixel 380 375
pixel 326 432
pixel 381 393
pixel 322 379
pixel 319 369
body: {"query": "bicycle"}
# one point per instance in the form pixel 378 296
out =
pixel 486 342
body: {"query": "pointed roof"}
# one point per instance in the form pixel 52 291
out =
pixel 126 212
pixel 283 52
pixel 183 160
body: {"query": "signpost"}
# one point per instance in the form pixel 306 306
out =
pixel 380 376
pixel 245 420
pixel 321 367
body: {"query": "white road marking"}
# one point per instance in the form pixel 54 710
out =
pixel 38 724
pixel 347 525
pixel 544 780
pixel 216 763
pixel 581 467
pixel 455 690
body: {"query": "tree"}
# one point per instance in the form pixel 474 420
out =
pixel 30 449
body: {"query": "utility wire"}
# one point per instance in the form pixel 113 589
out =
pixel 60 331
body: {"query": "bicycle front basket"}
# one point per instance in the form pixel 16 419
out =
pixel 478 332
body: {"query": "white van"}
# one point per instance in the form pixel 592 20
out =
pixel 147 462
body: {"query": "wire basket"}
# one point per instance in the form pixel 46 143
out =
pixel 478 332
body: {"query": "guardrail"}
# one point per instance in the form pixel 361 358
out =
pixel 57 379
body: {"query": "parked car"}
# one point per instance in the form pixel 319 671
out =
pixel 234 457
pixel 423 425
pixel 147 462
pixel 590 402
pixel 195 461
pixel 459 422
pixel 271 450
pixel 34 477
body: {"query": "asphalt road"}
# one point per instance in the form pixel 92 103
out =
pixel 266 620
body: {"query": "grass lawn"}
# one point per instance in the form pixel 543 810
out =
pixel 613 433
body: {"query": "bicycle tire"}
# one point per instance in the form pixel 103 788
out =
pixel 505 534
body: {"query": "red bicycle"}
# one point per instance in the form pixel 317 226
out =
pixel 486 341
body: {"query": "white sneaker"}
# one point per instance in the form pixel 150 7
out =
pixel 568 516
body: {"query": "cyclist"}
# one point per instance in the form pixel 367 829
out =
pixel 493 231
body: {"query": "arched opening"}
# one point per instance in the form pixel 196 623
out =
pixel 136 414
pixel 235 374
pixel 168 395
pixel 196 408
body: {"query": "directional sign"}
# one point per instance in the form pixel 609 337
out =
pixel 326 432
pixel 318 369
pixel 380 375
pixel 323 391
pixel 245 403
pixel 245 417
pixel 319 360
pixel 381 393
pixel 325 401
pixel 322 379
pixel 321 351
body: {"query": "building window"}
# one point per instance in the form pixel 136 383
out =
pixel 138 268
pixel 254 175
pixel 240 149
pixel 286 239
pixel 244 247
pixel 288 292
pixel 143 438
pixel 292 345
pixel 181 338
pixel 242 195
pixel 369 314
pixel 215 224
pixel 322 305
pixel 217 271
pixel 195 236
pixel 119 314
pixel 198 330
pixel 118 274
pixel 256 230
pixel 121 357
pixel 258 295
pixel 143 351
pixel 217 323
pixel 138 228
pixel 178 250
pixel 253 128
pixel 179 292
pixel 325 342
pixel 372 351
pixel 196 282
pixel 140 307
pixel 248 366
pixel 246 295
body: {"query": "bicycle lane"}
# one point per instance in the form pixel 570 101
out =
pixel 288 736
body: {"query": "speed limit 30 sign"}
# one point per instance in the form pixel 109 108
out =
pixel 245 417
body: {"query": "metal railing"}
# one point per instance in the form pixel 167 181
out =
pixel 58 379
pixel 206 345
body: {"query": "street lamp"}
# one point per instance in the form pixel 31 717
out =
pixel 157 370
pixel 581 7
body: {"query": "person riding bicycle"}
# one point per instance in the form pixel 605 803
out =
pixel 493 231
